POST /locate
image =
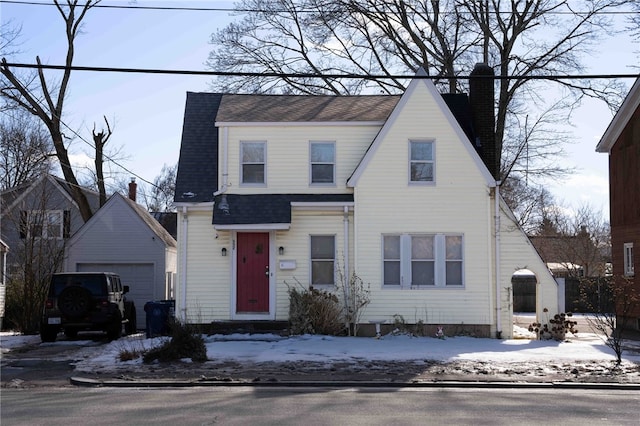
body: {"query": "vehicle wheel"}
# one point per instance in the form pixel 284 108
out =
pixel 114 330
pixel 74 301
pixel 48 334
pixel 130 314
pixel 71 333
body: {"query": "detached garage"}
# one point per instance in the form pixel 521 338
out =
pixel 122 237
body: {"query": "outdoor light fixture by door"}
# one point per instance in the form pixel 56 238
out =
pixel 224 251
pixel 281 250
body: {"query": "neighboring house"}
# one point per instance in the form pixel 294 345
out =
pixel 38 218
pixel 124 238
pixel 273 190
pixel 621 141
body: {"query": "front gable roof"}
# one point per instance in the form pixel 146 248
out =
pixel 451 120
pixel 627 109
pixel 136 209
pixel 13 196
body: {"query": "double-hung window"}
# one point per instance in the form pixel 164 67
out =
pixel 322 156
pixel 323 259
pixel 253 162
pixel 422 260
pixel 628 259
pixel 421 162
pixel 45 223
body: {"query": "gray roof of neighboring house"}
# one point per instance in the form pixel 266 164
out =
pixel 10 195
pixel 305 108
pixel 149 220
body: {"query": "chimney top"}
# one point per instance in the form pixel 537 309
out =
pixel 133 187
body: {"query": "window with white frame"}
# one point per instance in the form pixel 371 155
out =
pixel 322 158
pixel 253 162
pixel 421 162
pixel 45 223
pixel 323 259
pixel 628 259
pixel 423 260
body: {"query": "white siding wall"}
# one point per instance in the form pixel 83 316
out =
pixel 208 278
pixel 287 169
pixel 517 252
pixel 297 245
pixel 209 285
pixel 458 202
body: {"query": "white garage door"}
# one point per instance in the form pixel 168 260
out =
pixel 139 278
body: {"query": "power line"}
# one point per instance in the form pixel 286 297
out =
pixel 251 10
pixel 311 75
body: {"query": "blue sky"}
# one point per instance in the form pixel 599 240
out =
pixel 146 111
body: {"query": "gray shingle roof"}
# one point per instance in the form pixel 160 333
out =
pixel 266 208
pixel 197 176
pixel 300 108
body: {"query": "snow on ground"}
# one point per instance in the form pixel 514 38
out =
pixel 258 348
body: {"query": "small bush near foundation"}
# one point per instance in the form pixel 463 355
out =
pixel 184 343
pixel 313 311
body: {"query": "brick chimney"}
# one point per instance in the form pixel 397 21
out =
pixel 133 189
pixel 481 100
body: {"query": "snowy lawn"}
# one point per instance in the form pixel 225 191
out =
pixel 259 348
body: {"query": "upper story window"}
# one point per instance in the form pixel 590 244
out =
pixel 422 260
pixel 253 162
pixel 44 224
pixel 322 156
pixel 628 259
pixel 421 162
pixel 323 259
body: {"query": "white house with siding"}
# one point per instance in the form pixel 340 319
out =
pixel 274 190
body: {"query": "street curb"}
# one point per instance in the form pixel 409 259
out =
pixel 87 382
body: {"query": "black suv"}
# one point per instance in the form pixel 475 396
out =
pixel 87 301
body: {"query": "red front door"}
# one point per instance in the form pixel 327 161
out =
pixel 253 273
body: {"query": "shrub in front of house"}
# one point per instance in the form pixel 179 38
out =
pixel 313 311
pixel 185 342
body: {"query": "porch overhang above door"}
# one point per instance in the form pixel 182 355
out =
pixel 266 211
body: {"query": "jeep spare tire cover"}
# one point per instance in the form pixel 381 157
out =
pixel 74 301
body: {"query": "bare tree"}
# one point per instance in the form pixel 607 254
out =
pixel 281 43
pixel 610 317
pixel 160 197
pixel 99 141
pixel 25 148
pixel 45 99
pixel 580 240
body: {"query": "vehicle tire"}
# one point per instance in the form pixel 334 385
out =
pixel 131 327
pixel 114 330
pixel 74 301
pixel 71 333
pixel 48 334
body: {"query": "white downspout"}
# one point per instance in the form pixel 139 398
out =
pixel 183 266
pixel 225 163
pixel 346 240
pixel 497 265
pixel 347 276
